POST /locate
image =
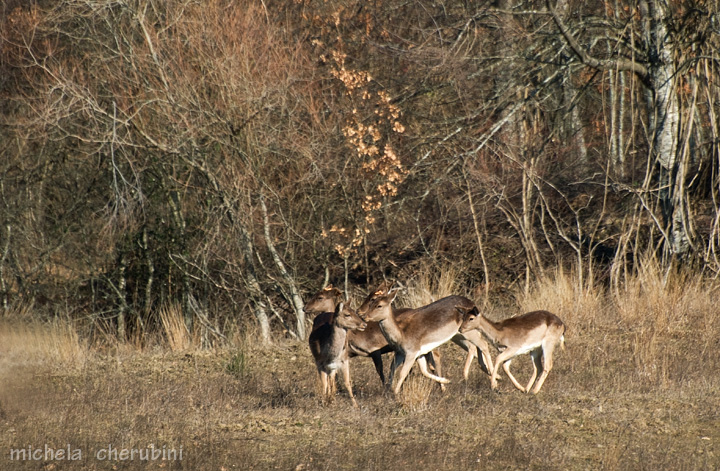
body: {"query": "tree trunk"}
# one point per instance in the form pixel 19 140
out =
pixel 4 290
pixel 574 127
pixel 259 307
pixel 665 122
pixel 295 298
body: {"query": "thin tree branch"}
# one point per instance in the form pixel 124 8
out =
pixel 594 62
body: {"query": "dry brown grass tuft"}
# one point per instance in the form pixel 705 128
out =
pixel 661 308
pixel 670 301
pixel 176 333
pixel 416 393
pixel 428 285
pixel 561 292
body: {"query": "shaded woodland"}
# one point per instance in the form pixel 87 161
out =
pixel 230 157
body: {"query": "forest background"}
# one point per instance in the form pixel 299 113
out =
pixel 226 159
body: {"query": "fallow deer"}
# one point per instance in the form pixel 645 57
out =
pixel 469 343
pixel 329 347
pixel 418 331
pixel 536 333
pixel 375 337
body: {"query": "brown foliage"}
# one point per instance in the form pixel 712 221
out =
pixel 139 138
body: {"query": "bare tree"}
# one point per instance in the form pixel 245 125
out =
pixel 653 54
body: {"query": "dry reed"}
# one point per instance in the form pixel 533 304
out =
pixel 173 322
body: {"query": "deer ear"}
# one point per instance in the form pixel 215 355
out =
pixel 384 287
pixel 467 311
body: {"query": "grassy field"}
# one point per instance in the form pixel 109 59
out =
pixel 636 388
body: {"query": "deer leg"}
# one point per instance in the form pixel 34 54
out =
pixel 422 361
pixel 472 341
pixel 504 356
pixel 471 353
pixel 486 362
pixel 506 367
pixel 346 379
pixel 547 359
pixel 433 359
pixel 537 365
pixel 377 361
pixel 398 359
pixel 332 386
pixel 324 385
pixel 404 371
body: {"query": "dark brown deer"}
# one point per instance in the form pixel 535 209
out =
pixel 329 347
pixel 536 333
pixel 418 331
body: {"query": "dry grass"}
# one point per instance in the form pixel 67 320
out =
pixel 562 293
pixel 416 393
pixel 30 343
pixel 637 388
pixel 428 285
pixel 176 333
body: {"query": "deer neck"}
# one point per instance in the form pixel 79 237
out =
pixel 338 339
pixel 489 328
pixel 391 330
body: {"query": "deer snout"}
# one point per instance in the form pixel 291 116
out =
pixel 466 325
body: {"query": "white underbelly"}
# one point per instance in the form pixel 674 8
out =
pixel 529 348
pixel 426 348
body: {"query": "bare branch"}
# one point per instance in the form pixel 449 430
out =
pixel 590 61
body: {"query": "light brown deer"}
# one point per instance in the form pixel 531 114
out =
pixel 418 331
pixel 469 343
pixel 329 347
pixel 536 333
pixel 366 343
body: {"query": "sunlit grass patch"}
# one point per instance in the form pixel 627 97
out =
pixel 54 343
